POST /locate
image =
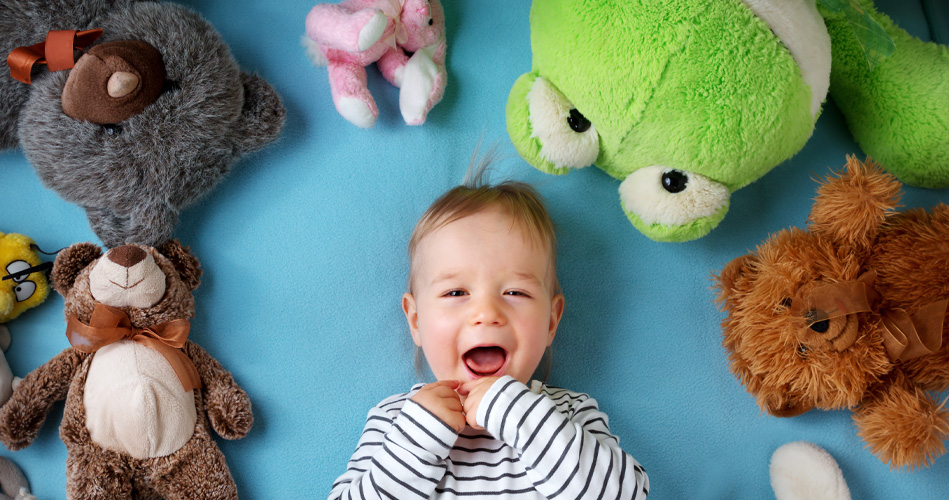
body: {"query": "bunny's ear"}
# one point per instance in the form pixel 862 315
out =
pixel 851 206
pixel 70 262
pixel 187 265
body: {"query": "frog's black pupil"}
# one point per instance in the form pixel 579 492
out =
pixel 431 22
pixel 821 326
pixel 112 129
pixel 674 181
pixel 578 122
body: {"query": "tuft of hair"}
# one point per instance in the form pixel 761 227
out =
pixel 524 204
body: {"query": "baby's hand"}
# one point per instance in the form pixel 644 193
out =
pixel 473 391
pixel 441 399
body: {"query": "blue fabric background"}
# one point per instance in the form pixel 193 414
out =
pixel 303 248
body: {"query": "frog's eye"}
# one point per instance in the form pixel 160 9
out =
pixel 567 138
pixel 658 194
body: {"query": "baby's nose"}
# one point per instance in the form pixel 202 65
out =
pixel 487 311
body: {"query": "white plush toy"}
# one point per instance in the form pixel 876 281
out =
pixel 804 471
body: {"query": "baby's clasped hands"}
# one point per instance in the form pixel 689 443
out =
pixel 453 402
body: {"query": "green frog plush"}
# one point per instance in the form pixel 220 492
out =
pixel 687 101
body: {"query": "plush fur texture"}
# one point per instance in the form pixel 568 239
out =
pixel 135 177
pixel 196 470
pixel 718 91
pixel 804 471
pixel 13 485
pixel 352 34
pixel 791 366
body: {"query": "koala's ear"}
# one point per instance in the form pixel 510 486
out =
pixel 263 115
pixel 187 265
pixel 70 262
pixel 729 276
pixel 851 206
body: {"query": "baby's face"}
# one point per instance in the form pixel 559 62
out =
pixel 482 303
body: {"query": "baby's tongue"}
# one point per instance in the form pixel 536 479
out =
pixel 484 360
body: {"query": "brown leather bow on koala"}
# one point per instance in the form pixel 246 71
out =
pixel 109 83
pixel 827 316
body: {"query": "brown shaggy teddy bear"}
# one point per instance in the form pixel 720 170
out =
pixel 140 397
pixel 849 313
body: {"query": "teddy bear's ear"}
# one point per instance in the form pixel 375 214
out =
pixel 187 265
pixel 727 278
pixel 263 114
pixel 70 262
pixel 851 206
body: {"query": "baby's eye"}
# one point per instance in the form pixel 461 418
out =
pixel 455 293
pixel 518 293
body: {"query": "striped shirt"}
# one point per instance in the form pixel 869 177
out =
pixel 538 442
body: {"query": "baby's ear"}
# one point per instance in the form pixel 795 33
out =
pixel 70 262
pixel 187 265
pixel 726 280
pixel 263 115
pixel 851 206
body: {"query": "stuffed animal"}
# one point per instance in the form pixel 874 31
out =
pixel 850 312
pixel 140 398
pixel 13 485
pixel 148 119
pixel 804 471
pixel 687 101
pixel 406 40
pixel 23 287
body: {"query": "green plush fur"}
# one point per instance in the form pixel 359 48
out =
pixel 708 89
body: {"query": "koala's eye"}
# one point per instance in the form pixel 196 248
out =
pixel 802 350
pixel 431 22
pixel 18 266
pixel 657 194
pixel 24 290
pixel 112 129
pixel 568 139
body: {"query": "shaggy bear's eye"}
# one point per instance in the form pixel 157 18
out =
pixel 24 290
pixel 567 138
pixel 112 129
pixel 802 350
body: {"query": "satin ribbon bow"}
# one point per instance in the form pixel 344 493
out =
pixel 56 52
pixel 400 35
pixel 905 336
pixel 109 324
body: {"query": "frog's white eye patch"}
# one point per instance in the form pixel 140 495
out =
pixel 662 195
pixel 567 138
pixel 801 29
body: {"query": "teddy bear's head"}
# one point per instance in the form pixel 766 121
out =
pixel 150 118
pixel 794 338
pixel 152 285
pixel 424 22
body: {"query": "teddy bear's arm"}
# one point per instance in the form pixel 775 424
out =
pixel 22 416
pixel 392 66
pixel 227 404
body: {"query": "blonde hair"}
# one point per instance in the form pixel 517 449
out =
pixel 521 201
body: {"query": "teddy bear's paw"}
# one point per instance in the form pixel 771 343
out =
pixel 420 81
pixel 18 431
pixel 904 428
pixel 356 111
pixel 372 31
pixel 230 414
pixel 804 471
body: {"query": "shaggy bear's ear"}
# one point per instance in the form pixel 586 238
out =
pixel 851 207
pixel 187 265
pixel 726 279
pixel 70 262
pixel 263 114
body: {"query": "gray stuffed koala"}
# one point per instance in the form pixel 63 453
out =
pixel 150 118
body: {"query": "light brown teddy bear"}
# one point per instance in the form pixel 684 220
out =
pixel 140 397
pixel 849 313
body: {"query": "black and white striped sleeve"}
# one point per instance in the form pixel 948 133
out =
pixel 569 453
pixel 397 458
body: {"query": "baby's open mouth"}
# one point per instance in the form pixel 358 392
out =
pixel 485 361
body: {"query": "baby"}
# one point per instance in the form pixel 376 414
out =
pixel 484 304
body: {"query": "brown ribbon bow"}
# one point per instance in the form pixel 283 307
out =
pixel 56 52
pixel 905 337
pixel 109 324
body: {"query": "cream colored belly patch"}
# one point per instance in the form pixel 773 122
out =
pixel 135 403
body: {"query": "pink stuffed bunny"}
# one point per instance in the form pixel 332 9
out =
pixel 406 40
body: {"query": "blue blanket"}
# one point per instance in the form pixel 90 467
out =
pixel 304 252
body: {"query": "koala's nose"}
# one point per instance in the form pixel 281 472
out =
pixel 114 81
pixel 127 255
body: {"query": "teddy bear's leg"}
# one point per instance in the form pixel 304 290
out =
pixel 94 473
pixel 350 94
pixel 199 472
pixel 901 424
pixel 337 27
pixel 897 111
